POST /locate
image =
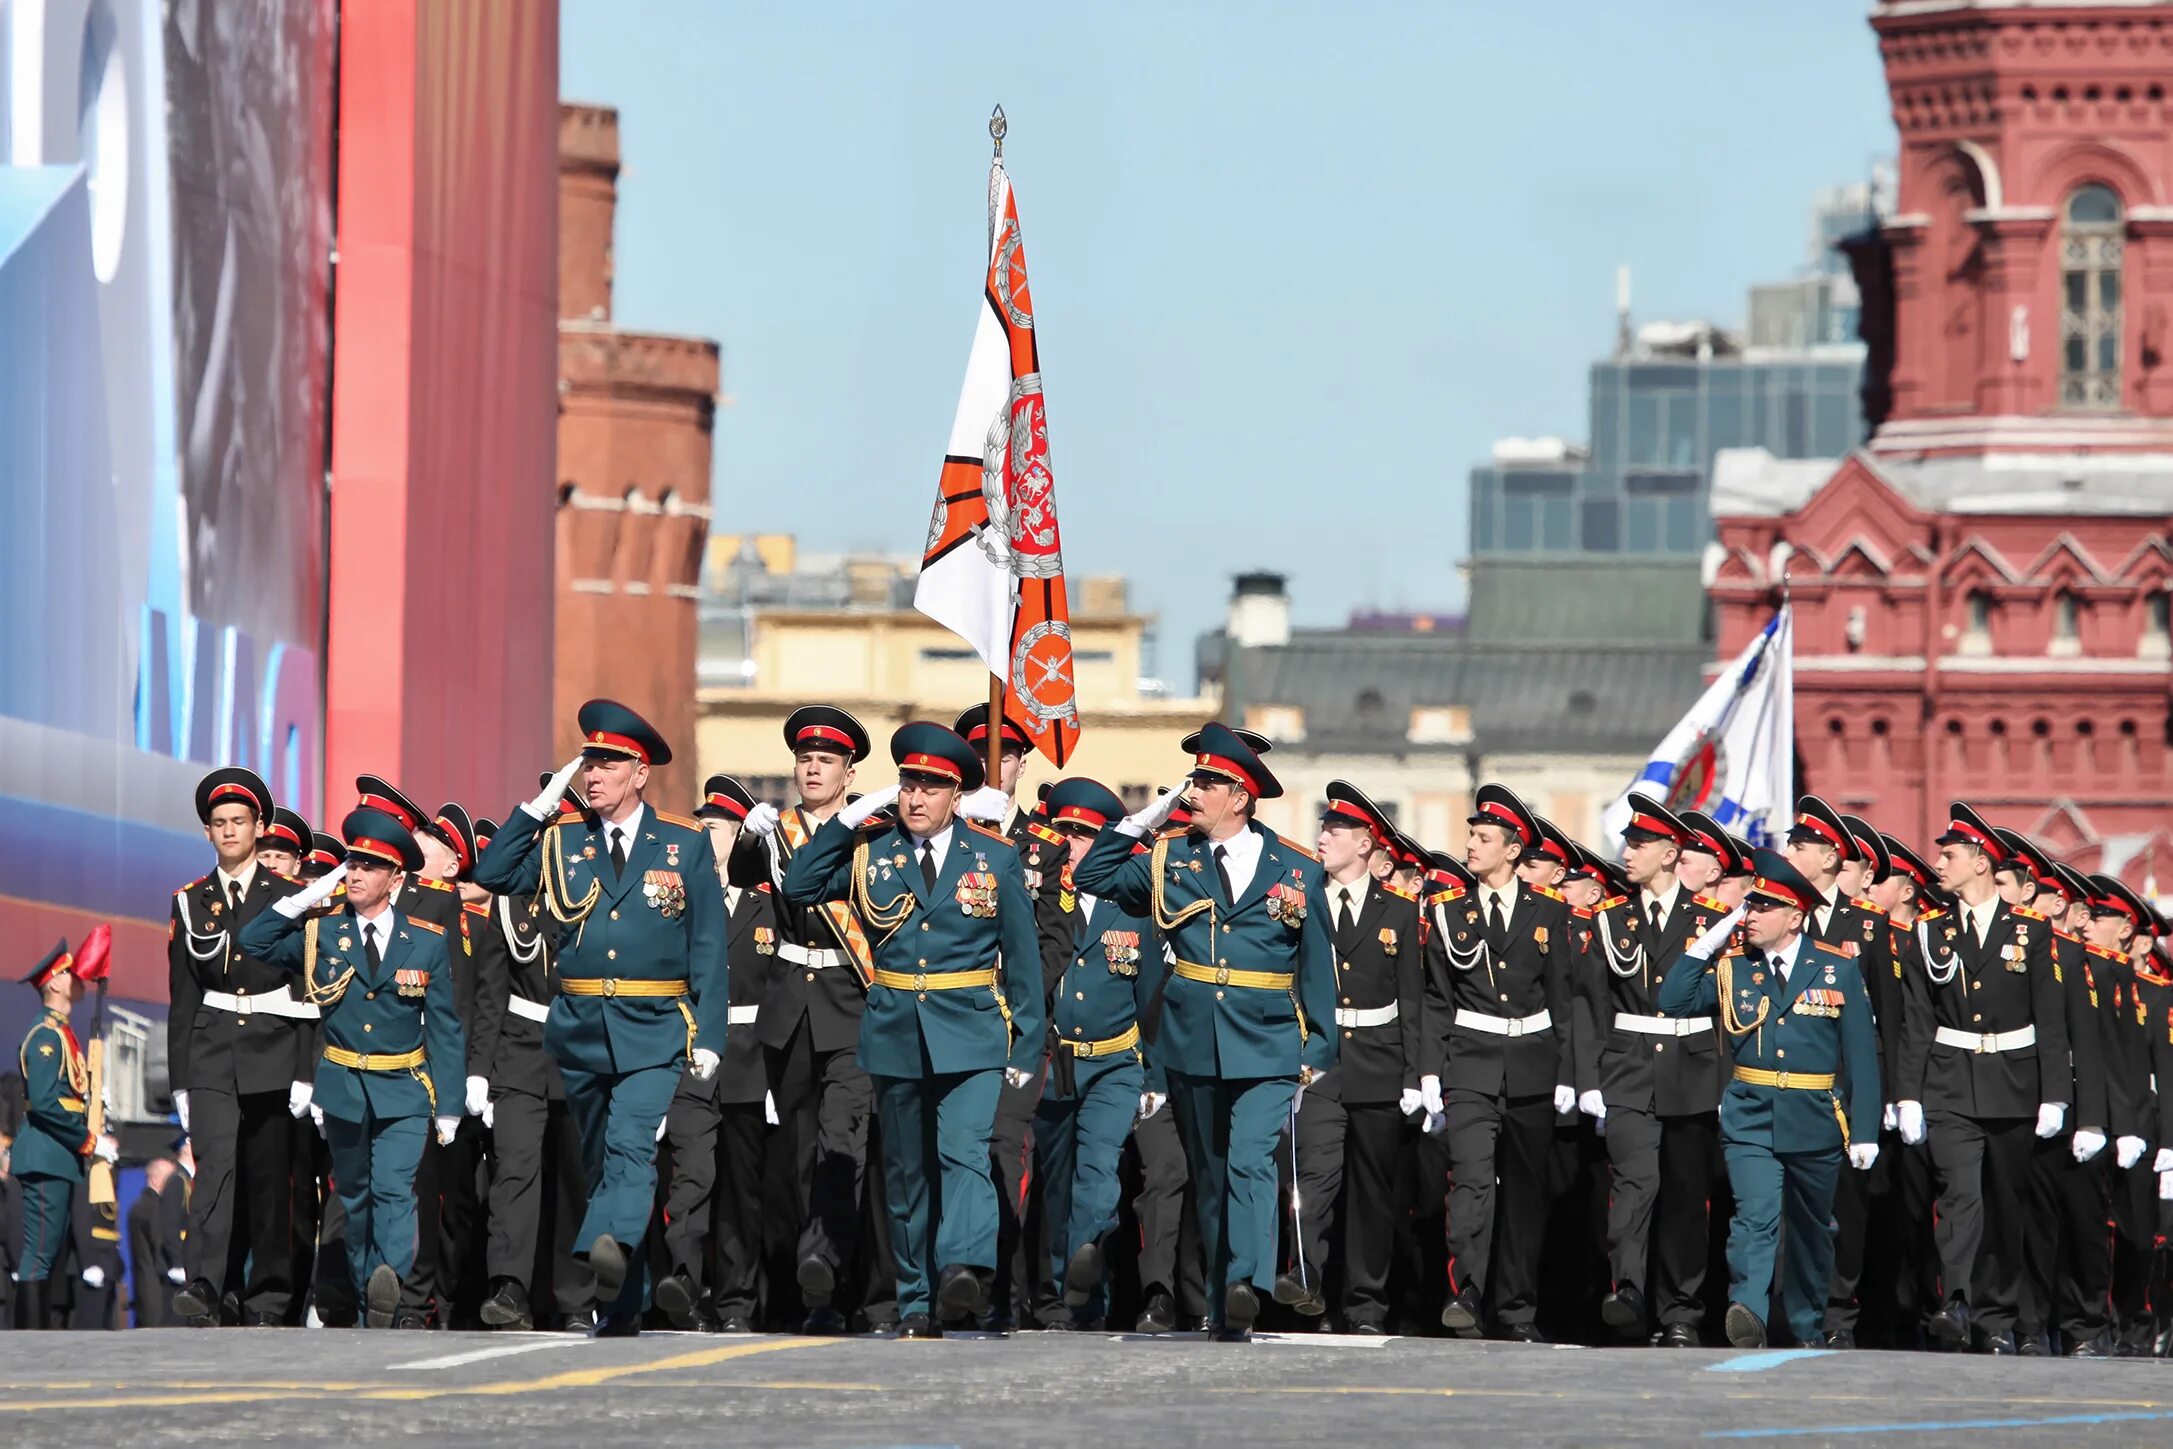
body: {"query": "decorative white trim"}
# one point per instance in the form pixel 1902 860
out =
pixel 641 503
pixel 1977 215
pixel 1860 663
pixel 595 502
pixel 2048 664
pixel 674 508
pixel 635 586
pixel 683 591
pixel 589 586
pixel 2014 430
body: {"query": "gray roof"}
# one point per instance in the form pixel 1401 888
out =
pixel 1587 599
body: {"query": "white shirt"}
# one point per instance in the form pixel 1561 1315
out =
pixel 1338 893
pixel 1664 905
pixel 379 926
pixel 1087 904
pixel 628 830
pixel 1505 897
pixel 1980 917
pixel 1785 961
pixel 246 879
pixel 941 841
pixel 1241 856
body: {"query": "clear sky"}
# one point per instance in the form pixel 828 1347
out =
pixel 1295 266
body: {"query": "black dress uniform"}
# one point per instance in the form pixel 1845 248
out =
pixel 1660 1078
pixel 2140 1035
pixel 239 1037
pixel 157 1246
pixel 1350 1125
pixel 1498 1005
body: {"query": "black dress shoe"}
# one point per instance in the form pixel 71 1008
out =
pixel 507 1306
pixel 918 1325
pixel 960 1293
pixel 1624 1310
pixel 2034 1345
pixel 2090 1348
pixel 824 1322
pixel 618 1325
pixel 1461 1316
pixel 1365 1328
pixel 229 1309
pixel 410 1318
pixel 1678 1335
pixel 1240 1308
pixel 381 1297
pixel 581 1320
pixel 1841 1339
pixel 734 1323
pixel 2001 1344
pixel 1524 1333
pixel 817 1282
pixel 1949 1327
pixel 260 1319
pixel 1745 1328
pixel 607 1260
pixel 999 1321
pixel 1227 1333
pixel 676 1295
pixel 1082 1275
pixel 1159 1315
pixel 1291 1291
pixel 196 1299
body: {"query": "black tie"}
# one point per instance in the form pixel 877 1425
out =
pixel 1346 923
pixel 1222 869
pixel 370 952
pixel 618 852
pixel 1657 917
pixel 928 865
pixel 1493 918
pixel 233 899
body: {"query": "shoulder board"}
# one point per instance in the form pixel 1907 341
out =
pixel 431 883
pixel 1172 832
pixel 2144 973
pixel 192 885
pixel 475 910
pixel 289 879
pixel 1609 904
pixel 1582 913
pixel 1445 895
pixel 684 822
pixel 990 831
pixel 1866 903
pixel 1042 832
pixel 1549 892
pixel 2102 952
pixel 2029 912
pixel 421 925
pixel 2067 935
pixel 1706 903
pixel 1931 915
pixel 1398 891
pixel 876 824
pixel 764 887
pixel 557 821
pixel 1292 844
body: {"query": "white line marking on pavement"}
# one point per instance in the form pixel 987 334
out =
pixel 1325 1340
pixel 506 1350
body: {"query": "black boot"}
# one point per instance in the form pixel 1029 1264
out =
pixel 30 1300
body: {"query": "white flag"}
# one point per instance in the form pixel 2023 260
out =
pixel 1734 755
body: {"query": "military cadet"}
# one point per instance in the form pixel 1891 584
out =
pixel 1499 997
pixel 2120 923
pixel 810 1020
pixel 157 1228
pixel 53 1148
pixel 1799 1020
pixel 324 1295
pixel 325 853
pixel 451 1209
pixel 1245 1022
pixel 1109 967
pixel 1653 1079
pixel 1984 1061
pixel 537 1191
pixel 716 1129
pixel 955 1006
pixel 393 1052
pixel 238 1041
pixel 286 836
pixel 639 1002
pixel 1171 1276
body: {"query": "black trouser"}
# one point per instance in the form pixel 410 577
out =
pixel 826 1102
pixel 1665 1173
pixel 302 1148
pixel 1983 1164
pixel 241 1211
pixel 1010 1147
pixel 537 1198
pixel 1169 1242
pixel 1885 1267
pixel 1347 1170
pixel 2135 1256
pixel 332 1280
pixel 1495 1236
pixel 714 1207
pixel 2067 1247
pixel 449 1228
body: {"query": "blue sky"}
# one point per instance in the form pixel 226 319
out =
pixel 1295 266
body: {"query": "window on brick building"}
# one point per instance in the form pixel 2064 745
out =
pixel 2157 640
pixel 2066 624
pixel 2090 299
pixel 1977 623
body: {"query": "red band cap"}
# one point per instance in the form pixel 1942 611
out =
pixel 363 845
pixel 1820 828
pixel 1507 817
pixel 220 792
pixel 931 765
pixel 1352 810
pixel 1216 764
pixel 728 805
pixel 625 745
pixel 1654 824
pixel 1083 815
pixel 822 735
pixel 1988 843
pixel 391 807
pixel 460 846
pixel 282 832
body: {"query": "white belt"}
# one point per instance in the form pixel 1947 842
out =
pixel 1663 1025
pixel 1504 1025
pixel 741 1015
pixel 276 1003
pixel 813 957
pixel 528 1010
pixel 1365 1015
pixel 1989 1041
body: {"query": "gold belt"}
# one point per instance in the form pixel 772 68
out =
pixel 619 986
pixel 1787 1081
pixel 1224 976
pixel 374 1062
pixel 71 1104
pixel 1108 1046
pixel 935 981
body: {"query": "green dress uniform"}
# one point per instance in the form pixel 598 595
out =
pixel 956 999
pixel 53 1146
pixel 1801 1024
pixel 642 977
pixel 1250 1003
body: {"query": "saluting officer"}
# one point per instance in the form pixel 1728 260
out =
pixel 53 1148
pixel 1246 1017
pixel 955 1008
pixel 1350 1127
pixel 1498 999
pixel 238 1041
pixel 642 976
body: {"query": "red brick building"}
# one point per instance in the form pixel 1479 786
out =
pixel 1982 589
pixel 635 415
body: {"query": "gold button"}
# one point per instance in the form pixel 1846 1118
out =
pixel 1505 996
pixel 614 915
pixel 1218 996
pixel 1225 930
pixel 1080 994
pixel 1222 961
pixel 924 925
pixel 1780 1054
pixel 1346 1001
pixel 1080 962
pixel 1659 1046
pixel 1979 1016
pixel 612 954
pixel 369 996
pixel 811 976
pixel 1078 1031
pixel 1346 1036
pixel 365 1026
pixel 922 962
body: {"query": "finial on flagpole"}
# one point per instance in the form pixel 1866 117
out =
pixel 996 128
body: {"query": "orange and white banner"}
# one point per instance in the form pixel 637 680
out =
pixel 993 570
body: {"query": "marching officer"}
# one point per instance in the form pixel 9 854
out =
pixel 1350 1128
pixel 1799 1019
pixel 238 1046
pixel 642 976
pixel 954 1009
pixel 1109 967
pixel 1245 1022
pixel 393 1052
pixel 1984 1062
pixel 1166 1207
pixel 1655 1081
pixel 53 1148
pixel 716 1129
pixel 1499 999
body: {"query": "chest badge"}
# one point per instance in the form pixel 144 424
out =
pixel 671 853
pixel 1388 940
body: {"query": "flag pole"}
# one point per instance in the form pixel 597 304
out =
pixel 997 126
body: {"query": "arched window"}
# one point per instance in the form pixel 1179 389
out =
pixel 2090 299
pixel 2066 624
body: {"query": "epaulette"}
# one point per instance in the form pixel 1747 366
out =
pixel 1172 832
pixel 1398 891
pixel 1866 903
pixel 1445 895
pixel 431 882
pixel 431 926
pixel 1931 915
pixel 684 822
pixel 1609 904
pixel 2067 935
pixel 1550 893
pixel 990 831
pixel 289 879
pixel 764 887
pixel 875 824
pixel 1297 847
pixel 2029 912
pixel 1042 832
pixel 475 910
pixel 192 885
pixel 1582 913
pixel 2103 952
pixel 2144 973
pixel 1708 903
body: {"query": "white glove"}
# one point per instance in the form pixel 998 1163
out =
pixel 2127 1152
pixel 316 1115
pixel 177 1275
pixel 181 1108
pixel 1435 1122
pixel 1909 1120
pixel 769 1109
pixel 490 1114
pixel 1565 1099
pixel 1017 1076
pixel 2165 1187
pixel 298 1095
pixel 1429 1092
pixel 1716 936
pixel 1151 1103
pixel 661 1124
pixel 2088 1144
pixel 861 811
pixel 106 1148
pixel 545 805
pixel 705 1064
pixel 2163 1162
pixel 1409 1101
pixel 1593 1105
pixel 1862 1155
pixel 313 895
pixel 762 820
pixel 988 805
pixel 2050 1116
pixel 1887 1119
pixel 95 1276
pixel 1157 813
pixel 478 1095
pixel 448 1128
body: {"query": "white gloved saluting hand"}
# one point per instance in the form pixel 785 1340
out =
pixel 545 805
pixel 1156 815
pixel 867 807
pixel 315 894
pixel 988 805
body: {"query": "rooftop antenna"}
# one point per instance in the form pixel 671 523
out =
pixel 1622 310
